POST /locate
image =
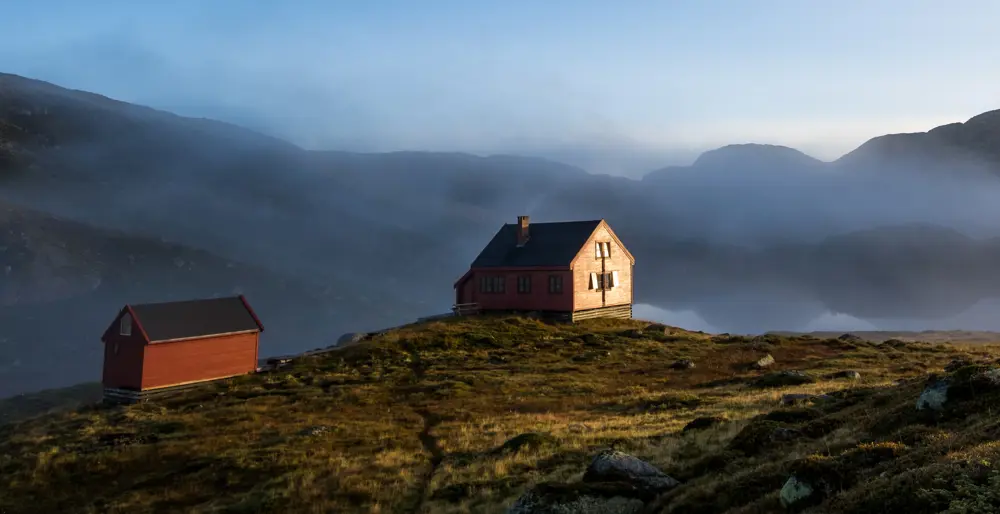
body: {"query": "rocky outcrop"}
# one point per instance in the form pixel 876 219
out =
pixel 614 483
pixel 964 384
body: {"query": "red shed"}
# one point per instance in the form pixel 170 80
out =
pixel 573 270
pixel 156 346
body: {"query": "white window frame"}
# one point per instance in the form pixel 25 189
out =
pixel 614 279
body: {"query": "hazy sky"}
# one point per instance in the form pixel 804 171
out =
pixel 616 86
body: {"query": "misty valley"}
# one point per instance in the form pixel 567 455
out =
pixel 104 203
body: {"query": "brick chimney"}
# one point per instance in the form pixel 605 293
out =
pixel 522 230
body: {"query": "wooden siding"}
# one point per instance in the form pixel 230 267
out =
pixel 539 299
pixel 586 262
pixel 466 290
pixel 122 369
pixel 129 396
pixel 617 311
pixel 181 362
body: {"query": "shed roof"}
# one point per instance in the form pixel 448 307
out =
pixel 194 318
pixel 549 244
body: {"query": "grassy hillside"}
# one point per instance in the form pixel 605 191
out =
pixel 416 420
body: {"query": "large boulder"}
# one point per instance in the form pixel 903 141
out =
pixel 794 492
pixel 617 466
pixel 614 483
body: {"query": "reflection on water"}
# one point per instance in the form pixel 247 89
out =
pixel 984 316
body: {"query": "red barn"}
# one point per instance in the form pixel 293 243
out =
pixel 163 346
pixel 573 270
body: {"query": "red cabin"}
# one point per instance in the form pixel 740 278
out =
pixel 159 346
pixel 573 270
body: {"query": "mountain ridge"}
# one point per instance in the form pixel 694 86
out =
pixel 953 131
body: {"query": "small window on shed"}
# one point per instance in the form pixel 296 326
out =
pixel 126 325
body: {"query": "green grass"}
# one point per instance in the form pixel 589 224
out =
pixel 416 421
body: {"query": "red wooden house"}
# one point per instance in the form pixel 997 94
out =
pixel 155 347
pixel 572 270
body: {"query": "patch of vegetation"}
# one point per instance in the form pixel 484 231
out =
pixel 466 414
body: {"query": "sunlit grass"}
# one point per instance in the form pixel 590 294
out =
pixel 360 430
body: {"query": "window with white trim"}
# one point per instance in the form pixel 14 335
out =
pixel 126 325
pixel 604 281
pixel 602 249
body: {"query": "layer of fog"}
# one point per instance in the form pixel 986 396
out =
pixel 984 316
pixel 406 225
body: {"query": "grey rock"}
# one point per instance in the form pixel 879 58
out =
pixel 934 395
pixel 617 466
pixel 794 491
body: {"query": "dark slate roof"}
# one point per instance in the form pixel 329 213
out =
pixel 549 244
pixel 195 318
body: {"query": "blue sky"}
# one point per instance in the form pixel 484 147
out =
pixel 616 86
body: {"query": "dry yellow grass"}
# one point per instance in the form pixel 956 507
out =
pixel 411 421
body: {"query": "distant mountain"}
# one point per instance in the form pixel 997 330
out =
pixel 973 146
pixel 751 237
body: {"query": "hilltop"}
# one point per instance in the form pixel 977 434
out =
pixel 468 414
